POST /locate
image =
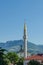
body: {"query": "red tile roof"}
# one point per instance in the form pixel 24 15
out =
pixel 34 57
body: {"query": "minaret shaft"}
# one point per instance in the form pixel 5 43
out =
pixel 25 48
pixel 25 41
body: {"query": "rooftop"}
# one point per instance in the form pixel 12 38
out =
pixel 35 57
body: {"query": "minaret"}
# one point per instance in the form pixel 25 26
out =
pixel 25 41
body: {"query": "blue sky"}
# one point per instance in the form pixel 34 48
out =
pixel 12 15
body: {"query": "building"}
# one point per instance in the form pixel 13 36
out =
pixel 37 57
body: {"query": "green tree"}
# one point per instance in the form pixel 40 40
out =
pixel 33 62
pixel 13 57
pixel 20 62
pixel 2 57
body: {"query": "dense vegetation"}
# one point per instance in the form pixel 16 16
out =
pixel 33 62
pixel 3 59
pixel 9 58
pixel 12 58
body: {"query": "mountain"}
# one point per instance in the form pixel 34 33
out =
pixel 17 44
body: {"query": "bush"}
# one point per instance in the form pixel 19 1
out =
pixel 33 62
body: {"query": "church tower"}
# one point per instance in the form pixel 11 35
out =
pixel 25 40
